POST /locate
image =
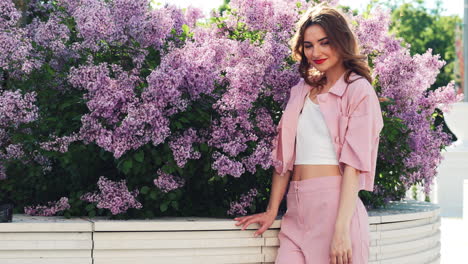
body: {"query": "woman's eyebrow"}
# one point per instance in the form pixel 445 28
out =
pixel 305 41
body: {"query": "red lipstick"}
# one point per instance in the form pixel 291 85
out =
pixel 320 61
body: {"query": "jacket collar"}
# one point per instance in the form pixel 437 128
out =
pixel 338 88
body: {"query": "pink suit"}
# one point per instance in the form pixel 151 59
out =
pixel 354 120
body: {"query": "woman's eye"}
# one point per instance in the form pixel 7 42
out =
pixel 308 47
pixel 325 43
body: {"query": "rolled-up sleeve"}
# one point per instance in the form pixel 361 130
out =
pixel 277 153
pixel 361 136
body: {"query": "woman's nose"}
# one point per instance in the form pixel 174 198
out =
pixel 316 53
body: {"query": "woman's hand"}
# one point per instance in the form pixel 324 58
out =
pixel 265 220
pixel 340 249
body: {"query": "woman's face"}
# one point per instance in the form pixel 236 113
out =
pixel 318 50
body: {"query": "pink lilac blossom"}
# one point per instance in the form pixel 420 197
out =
pixel 264 122
pixel 52 208
pixel 192 14
pixel 113 195
pixel 225 166
pixel 17 108
pixel 51 34
pixel 43 161
pixel 268 15
pixel 372 31
pixel 14 151
pixel 94 23
pixel 238 208
pixel 260 156
pixel 231 134
pixel 59 144
pixel 154 29
pixel 181 146
pixel 117 118
pixel 9 14
pixel 167 182
pixel 16 51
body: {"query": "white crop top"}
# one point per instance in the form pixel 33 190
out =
pixel 313 141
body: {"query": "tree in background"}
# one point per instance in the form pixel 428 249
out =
pixel 425 28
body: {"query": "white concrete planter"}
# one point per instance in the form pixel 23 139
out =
pixel 407 232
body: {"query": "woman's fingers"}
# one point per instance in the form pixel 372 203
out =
pixel 250 221
pixel 240 219
pixel 262 229
pixel 244 219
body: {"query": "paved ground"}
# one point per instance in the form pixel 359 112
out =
pixel 454 240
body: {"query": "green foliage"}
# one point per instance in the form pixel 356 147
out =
pixel 426 28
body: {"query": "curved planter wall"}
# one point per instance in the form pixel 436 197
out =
pixel 406 232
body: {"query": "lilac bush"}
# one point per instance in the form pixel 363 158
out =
pixel 405 80
pixel 94 87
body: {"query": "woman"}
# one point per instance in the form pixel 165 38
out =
pixel 327 140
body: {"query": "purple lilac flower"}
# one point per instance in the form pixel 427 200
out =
pixel 14 151
pixel 52 208
pixel 231 134
pixel 181 147
pixel 192 14
pixel 226 166
pixel 51 34
pixel 167 182
pixel 238 208
pixel 372 31
pixel 260 156
pixel 59 144
pixel 113 100
pixel 15 46
pixel 43 161
pixel 16 108
pixel 268 15
pixel 154 29
pixel 9 14
pixel 114 196
pixel 94 23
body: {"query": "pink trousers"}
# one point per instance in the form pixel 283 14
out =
pixel 307 227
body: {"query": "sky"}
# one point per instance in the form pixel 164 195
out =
pixel 453 7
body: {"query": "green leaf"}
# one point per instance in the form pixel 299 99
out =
pixel 172 196
pixel 92 214
pixel 175 205
pixel 89 207
pixel 144 190
pixel 163 207
pixel 139 156
pixel 253 208
pixel 204 147
pixel 185 28
pixel 153 195
pixel 127 165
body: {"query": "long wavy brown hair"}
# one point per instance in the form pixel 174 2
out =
pixel 341 38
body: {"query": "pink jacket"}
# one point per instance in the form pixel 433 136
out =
pixel 353 117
